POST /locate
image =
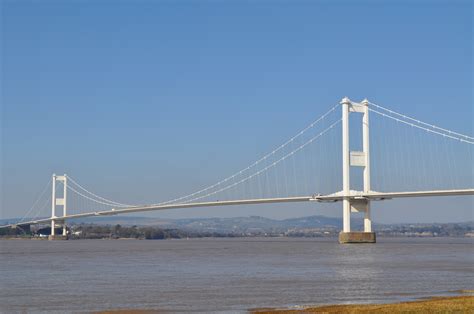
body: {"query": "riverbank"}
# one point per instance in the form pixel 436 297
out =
pixel 458 304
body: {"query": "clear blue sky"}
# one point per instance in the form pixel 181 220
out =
pixel 152 99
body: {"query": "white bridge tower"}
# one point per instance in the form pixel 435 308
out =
pixel 355 159
pixel 55 202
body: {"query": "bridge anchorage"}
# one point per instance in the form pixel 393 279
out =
pixel 271 185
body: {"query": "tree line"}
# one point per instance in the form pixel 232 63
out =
pixel 91 231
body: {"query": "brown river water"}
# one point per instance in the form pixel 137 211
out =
pixel 226 275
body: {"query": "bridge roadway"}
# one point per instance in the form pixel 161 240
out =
pixel 376 196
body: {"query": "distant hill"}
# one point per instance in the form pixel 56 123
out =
pixel 234 224
pixel 261 226
pixel 256 223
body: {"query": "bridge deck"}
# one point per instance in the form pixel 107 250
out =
pixel 314 198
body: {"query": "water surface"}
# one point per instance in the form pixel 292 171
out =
pixel 226 274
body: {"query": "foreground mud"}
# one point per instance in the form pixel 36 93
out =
pixel 460 304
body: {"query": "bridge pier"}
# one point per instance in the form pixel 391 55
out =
pixel 366 236
pixel 355 159
pixel 54 232
pixel 357 237
pixel 57 237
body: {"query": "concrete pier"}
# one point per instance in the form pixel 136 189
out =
pixel 356 237
pixel 57 237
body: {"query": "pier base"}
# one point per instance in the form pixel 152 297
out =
pixel 57 237
pixel 356 237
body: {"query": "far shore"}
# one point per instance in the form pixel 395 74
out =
pixel 230 237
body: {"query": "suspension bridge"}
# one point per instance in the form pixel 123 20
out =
pixel 410 158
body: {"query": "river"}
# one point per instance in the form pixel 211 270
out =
pixel 204 275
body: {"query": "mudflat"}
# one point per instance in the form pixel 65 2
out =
pixel 459 304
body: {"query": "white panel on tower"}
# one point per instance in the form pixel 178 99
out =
pixel 357 159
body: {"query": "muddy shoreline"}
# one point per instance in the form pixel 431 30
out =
pixel 454 304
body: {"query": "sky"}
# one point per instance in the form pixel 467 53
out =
pixel 146 100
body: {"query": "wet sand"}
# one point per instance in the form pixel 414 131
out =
pixel 459 304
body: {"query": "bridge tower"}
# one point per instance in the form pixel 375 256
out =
pixel 61 201
pixel 355 159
